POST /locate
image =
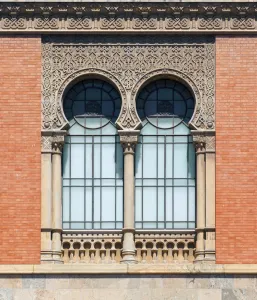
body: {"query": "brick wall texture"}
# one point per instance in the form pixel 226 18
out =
pixel 20 118
pixel 236 149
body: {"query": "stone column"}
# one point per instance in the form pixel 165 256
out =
pixel 199 141
pixel 57 145
pixel 46 197
pixel 128 141
pixel 210 197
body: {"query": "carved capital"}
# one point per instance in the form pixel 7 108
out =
pixel 58 141
pixel 128 140
pixel 204 141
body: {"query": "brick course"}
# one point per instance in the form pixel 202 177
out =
pixel 20 118
pixel 236 149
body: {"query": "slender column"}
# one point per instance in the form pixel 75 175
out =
pixel 210 198
pixel 128 141
pixel 58 141
pixel 199 142
pixel 46 197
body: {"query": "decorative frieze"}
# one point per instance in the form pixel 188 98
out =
pixel 189 17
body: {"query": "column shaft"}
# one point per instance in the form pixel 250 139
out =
pixel 200 239
pixel 128 238
pixel 210 207
pixel 57 198
pixel 128 140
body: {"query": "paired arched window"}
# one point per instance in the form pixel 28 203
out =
pixel 93 158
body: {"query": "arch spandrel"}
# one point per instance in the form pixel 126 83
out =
pixel 127 63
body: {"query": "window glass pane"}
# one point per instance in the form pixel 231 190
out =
pixel 149 162
pixel 191 203
pixel 161 204
pixel 77 165
pixel 77 204
pixel 89 201
pixel 88 156
pixel 149 202
pixel 66 160
pixel 161 156
pixel 180 203
pixel 169 160
pixel 97 204
pixel 169 204
pixel 66 204
pixel 119 203
pixel 138 203
pixel 180 160
pixel 97 160
pixel 108 204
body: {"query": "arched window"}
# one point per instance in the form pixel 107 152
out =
pixel 165 158
pixel 92 158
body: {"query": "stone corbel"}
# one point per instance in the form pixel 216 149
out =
pixel 128 140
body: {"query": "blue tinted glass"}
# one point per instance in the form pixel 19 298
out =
pixel 92 97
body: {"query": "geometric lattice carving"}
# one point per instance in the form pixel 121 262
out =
pixel 91 248
pixel 128 62
pixel 165 247
pixel 105 248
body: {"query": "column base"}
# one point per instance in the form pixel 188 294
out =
pixel 46 257
pixel 128 257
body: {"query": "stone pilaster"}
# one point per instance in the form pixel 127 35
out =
pixel 199 142
pixel 128 140
pixel 210 197
pixel 46 197
pixel 57 145
pixel 204 142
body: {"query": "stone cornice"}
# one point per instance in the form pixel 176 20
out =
pixel 223 17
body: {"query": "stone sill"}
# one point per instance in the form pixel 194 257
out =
pixel 199 268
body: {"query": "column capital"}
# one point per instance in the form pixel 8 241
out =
pixel 128 140
pixel 204 140
pixel 57 143
pixel 52 141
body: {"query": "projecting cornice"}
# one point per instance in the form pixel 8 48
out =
pixel 118 17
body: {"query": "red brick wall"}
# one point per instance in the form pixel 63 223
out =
pixel 20 86
pixel 236 168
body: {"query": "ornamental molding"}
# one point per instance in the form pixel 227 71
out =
pixel 128 17
pixel 128 63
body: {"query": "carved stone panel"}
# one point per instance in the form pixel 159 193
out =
pixel 128 62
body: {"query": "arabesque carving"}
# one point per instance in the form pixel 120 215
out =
pixel 128 62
